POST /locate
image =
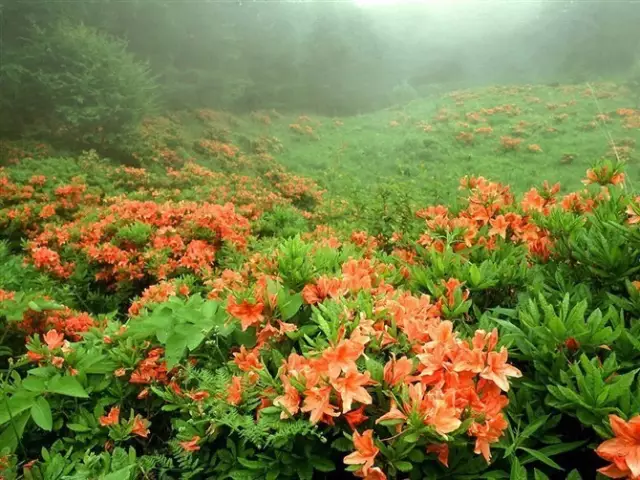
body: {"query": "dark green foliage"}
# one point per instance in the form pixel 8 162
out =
pixel 283 222
pixel 72 85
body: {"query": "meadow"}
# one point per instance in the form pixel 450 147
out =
pixel 449 288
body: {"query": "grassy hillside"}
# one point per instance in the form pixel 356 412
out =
pixel 557 133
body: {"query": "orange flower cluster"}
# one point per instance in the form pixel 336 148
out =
pixel 157 293
pixel 442 381
pixel 294 187
pixel 151 369
pixel 489 215
pixel 303 130
pixel 534 148
pixel 508 109
pixel 216 148
pixel 177 236
pixel 510 143
pixel 29 204
pixel 474 117
pixel 62 319
pixel 604 175
pixel 540 201
pixel 626 112
pixel 484 130
pixel 465 137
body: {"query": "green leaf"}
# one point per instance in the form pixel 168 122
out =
pixel 34 384
pixel 538 475
pixel 174 349
pixel 574 475
pixel 551 450
pixel 375 368
pixel 15 406
pixel 77 427
pixel 34 306
pixel 342 444
pixel 289 304
pixel 403 466
pixel 119 474
pixel 68 386
pixel 41 414
pixel 322 464
pixel 542 457
pixel 475 275
pixel 8 437
pixel 518 472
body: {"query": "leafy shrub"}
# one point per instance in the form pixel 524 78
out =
pixel 394 355
pixel 73 85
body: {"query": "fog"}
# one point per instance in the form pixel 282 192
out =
pixel 343 58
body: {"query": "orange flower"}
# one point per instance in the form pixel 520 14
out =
pixel 623 450
pixel 34 357
pixel 343 357
pixel 443 414
pixel 247 360
pixel 317 402
pixel 53 339
pixel 393 414
pixel 112 418
pixel 487 433
pixel 355 417
pixel 396 370
pixel 198 396
pixel 499 226
pixel 140 426
pixel 365 453
pixel 535 148
pixel 497 369
pixel 249 314
pixel 441 450
pixel 120 372
pixel 191 445
pixel 372 474
pixel 144 393
pixel 351 387
pixel 290 401
pixel 57 362
pixel 234 396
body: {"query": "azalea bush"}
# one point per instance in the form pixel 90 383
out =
pixel 174 321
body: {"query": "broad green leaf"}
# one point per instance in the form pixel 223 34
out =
pixel 289 304
pixel 34 384
pixel 41 414
pixel 8 437
pixel 403 466
pixel 175 349
pixel 76 427
pixel 15 405
pixel 68 386
pixel 322 464
pixel 122 474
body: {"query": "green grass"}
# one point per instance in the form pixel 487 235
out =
pixel 366 151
